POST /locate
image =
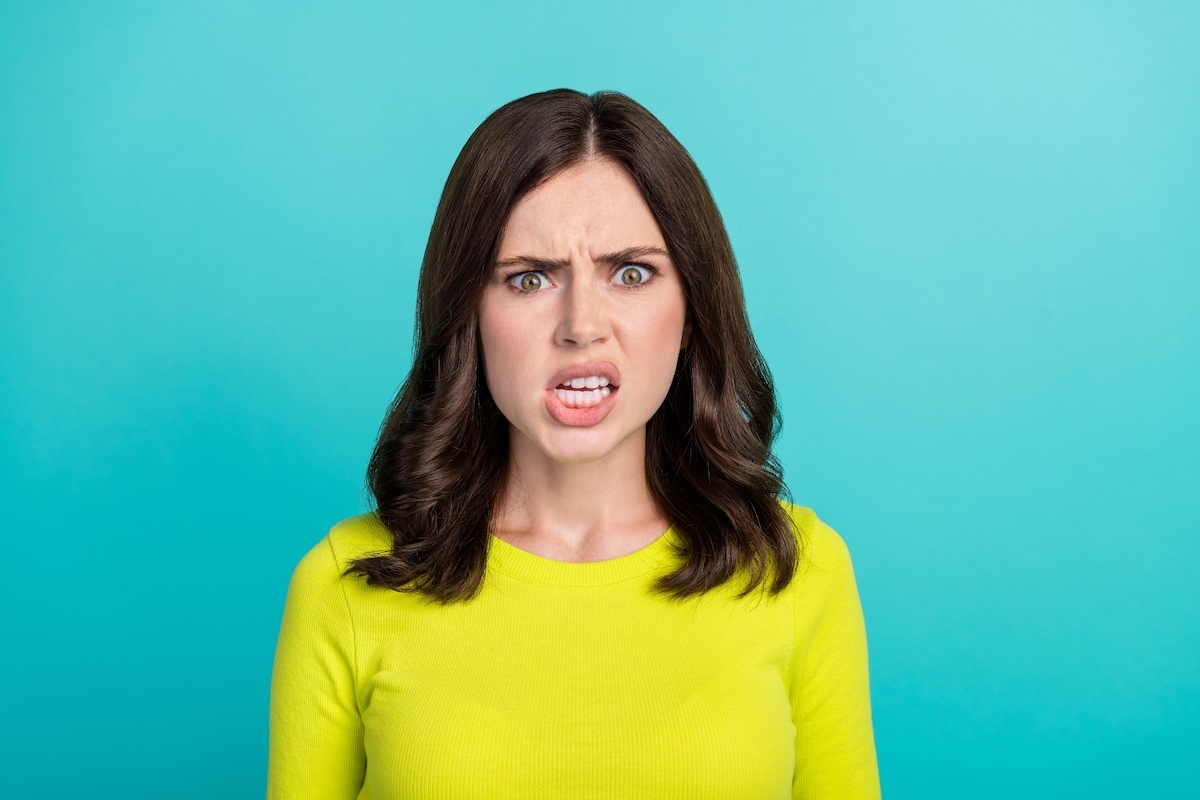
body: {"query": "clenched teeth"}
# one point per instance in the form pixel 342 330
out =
pixel 590 382
pixel 572 398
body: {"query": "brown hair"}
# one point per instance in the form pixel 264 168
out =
pixel 440 463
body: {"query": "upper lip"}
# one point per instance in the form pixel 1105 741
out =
pixel 604 369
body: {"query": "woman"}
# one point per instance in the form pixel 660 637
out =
pixel 579 581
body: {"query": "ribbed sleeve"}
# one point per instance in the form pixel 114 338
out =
pixel 831 706
pixel 316 742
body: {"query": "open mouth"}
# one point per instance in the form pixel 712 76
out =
pixel 584 392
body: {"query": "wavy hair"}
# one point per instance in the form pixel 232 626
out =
pixel 440 463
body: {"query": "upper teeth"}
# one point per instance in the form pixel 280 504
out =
pixel 590 382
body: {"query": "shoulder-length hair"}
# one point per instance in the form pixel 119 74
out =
pixel 440 464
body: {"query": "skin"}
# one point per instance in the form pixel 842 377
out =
pixel 579 492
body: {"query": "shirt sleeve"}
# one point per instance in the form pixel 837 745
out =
pixel 316 732
pixel 831 701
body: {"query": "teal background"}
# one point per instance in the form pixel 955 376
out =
pixel 970 238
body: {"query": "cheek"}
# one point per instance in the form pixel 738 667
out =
pixel 505 344
pixel 656 340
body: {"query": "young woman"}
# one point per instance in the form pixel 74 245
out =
pixel 580 581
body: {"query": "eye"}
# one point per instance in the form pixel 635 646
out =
pixel 633 275
pixel 528 281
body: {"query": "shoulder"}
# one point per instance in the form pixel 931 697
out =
pixel 823 553
pixel 348 540
pixel 824 590
pixel 359 536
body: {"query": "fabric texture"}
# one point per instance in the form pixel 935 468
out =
pixel 567 680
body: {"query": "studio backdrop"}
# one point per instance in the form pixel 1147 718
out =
pixel 969 235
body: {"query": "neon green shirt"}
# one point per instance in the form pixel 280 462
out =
pixel 567 680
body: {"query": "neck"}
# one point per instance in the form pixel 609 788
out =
pixel 578 511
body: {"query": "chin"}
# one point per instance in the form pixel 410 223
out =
pixel 577 447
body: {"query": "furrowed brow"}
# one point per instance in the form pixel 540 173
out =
pixel 629 254
pixel 534 264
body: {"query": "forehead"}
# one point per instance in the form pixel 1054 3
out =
pixel 594 206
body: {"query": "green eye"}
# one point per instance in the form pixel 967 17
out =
pixel 528 281
pixel 633 275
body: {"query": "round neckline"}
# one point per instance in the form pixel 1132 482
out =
pixel 531 568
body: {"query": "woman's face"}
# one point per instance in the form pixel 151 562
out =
pixel 583 316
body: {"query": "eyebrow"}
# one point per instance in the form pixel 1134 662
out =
pixel 536 264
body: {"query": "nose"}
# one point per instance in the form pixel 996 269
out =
pixel 584 320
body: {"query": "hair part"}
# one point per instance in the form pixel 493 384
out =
pixel 440 463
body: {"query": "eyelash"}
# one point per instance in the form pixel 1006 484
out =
pixel 653 274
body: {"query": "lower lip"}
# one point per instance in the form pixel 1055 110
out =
pixel 580 417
